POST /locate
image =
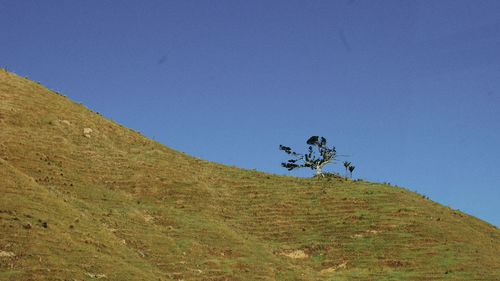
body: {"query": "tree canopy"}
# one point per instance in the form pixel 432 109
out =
pixel 319 154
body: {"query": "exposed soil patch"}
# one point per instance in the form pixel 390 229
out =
pixel 4 254
pixel 297 254
pixel 334 268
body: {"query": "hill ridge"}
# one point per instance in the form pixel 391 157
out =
pixel 119 206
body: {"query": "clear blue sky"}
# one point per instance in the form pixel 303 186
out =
pixel 409 89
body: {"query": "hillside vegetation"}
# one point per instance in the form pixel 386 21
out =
pixel 110 204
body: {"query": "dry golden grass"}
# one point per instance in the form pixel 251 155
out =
pixel 110 204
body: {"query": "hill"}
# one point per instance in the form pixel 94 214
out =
pixel 82 197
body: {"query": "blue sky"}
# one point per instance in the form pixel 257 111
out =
pixel 410 90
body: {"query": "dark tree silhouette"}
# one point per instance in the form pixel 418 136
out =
pixel 317 157
pixel 346 165
pixel 351 168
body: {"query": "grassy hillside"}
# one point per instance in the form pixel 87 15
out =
pixel 110 204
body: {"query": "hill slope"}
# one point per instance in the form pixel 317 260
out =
pixel 108 203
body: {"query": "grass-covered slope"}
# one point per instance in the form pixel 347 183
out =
pixel 111 204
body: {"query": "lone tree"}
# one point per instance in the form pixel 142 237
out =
pixel 315 159
pixel 351 169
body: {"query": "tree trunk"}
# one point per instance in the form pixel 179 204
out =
pixel 318 170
